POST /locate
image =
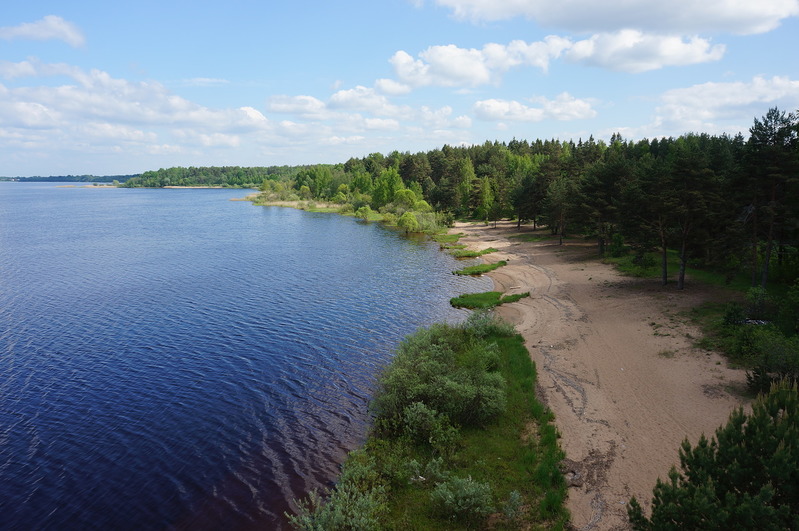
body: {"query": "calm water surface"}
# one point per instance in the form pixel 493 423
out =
pixel 170 359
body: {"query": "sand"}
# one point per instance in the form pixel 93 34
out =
pixel 616 365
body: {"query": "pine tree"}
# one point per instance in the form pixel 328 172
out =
pixel 746 477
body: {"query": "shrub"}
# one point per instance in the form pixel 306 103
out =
pixel 426 426
pixel 356 502
pixel 778 359
pixel 746 477
pixel 463 500
pixel 363 212
pixel 433 472
pixel 447 369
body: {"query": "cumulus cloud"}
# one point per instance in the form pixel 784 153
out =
pixel 450 66
pixel 51 27
pixel 626 50
pixel 634 51
pixel 563 107
pixel 365 99
pixel 391 87
pixel 706 106
pixel 685 17
pixel 97 95
pixel 92 108
pixel 295 104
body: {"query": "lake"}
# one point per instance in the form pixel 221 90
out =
pixel 171 359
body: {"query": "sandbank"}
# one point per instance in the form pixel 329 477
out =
pixel 616 365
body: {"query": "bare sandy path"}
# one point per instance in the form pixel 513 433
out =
pixel 616 365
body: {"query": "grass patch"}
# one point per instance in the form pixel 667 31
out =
pixel 447 238
pixel 445 246
pixel 648 265
pixel 485 300
pixel 480 268
pixel 463 253
pixel 430 463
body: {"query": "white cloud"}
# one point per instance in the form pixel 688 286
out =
pixel 678 16
pixel 707 106
pixel 626 50
pixel 51 27
pixel 339 140
pixel 387 124
pixel 364 99
pixel 104 132
pixel 633 51
pixel 296 105
pixel 96 95
pixel 563 107
pixel 390 87
pixel 450 66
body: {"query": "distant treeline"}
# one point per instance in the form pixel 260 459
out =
pixel 227 176
pixel 730 203
pixel 73 178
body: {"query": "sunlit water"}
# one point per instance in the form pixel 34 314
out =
pixel 172 359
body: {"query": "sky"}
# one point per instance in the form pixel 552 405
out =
pixel 108 88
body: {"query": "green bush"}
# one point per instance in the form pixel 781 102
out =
pixel 746 477
pixel 463 500
pixel 433 472
pixel 425 426
pixel 778 359
pixel 449 371
pixel 356 502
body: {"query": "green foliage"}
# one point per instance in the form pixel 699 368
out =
pixel 357 502
pixel 485 300
pixel 409 482
pixel 777 358
pixel 446 372
pixel 480 269
pixel 408 222
pixel 463 253
pixel 425 426
pixel 746 477
pixel 364 213
pixel 228 176
pixel 463 500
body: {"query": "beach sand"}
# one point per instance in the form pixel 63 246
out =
pixel 616 364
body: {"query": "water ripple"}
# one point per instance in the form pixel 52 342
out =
pixel 189 362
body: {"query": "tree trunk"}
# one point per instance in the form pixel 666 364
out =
pixel 754 247
pixel 683 261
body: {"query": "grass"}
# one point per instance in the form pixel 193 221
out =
pixel 502 456
pixel 480 268
pixel 485 300
pixel 447 238
pixel 514 454
pixel 444 246
pixel 649 266
pixel 463 253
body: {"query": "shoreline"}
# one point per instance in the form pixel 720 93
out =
pixel 616 365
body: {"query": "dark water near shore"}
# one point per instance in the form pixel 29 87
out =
pixel 170 359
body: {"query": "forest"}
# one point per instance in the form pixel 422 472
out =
pixel 720 201
pixel 727 204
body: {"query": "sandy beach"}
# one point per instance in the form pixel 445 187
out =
pixel 616 365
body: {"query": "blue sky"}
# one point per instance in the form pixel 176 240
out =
pixel 116 88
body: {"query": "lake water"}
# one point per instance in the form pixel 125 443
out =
pixel 170 359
